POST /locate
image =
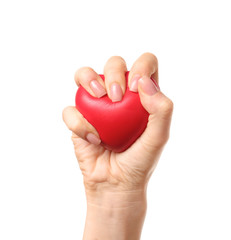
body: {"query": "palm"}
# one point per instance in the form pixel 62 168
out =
pixel 101 165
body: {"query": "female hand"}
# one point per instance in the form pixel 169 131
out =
pixel 119 180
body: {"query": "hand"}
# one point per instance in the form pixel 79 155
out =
pixel 103 169
pixel 120 176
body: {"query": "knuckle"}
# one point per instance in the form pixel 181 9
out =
pixel 141 66
pixel 146 63
pixel 151 55
pixel 84 72
pixel 116 58
pixel 115 63
pixel 64 112
pixel 76 126
pixel 85 69
pixel 166 107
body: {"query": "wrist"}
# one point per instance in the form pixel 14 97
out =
pixel 115 199
pixel 115 215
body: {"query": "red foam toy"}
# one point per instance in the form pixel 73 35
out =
pixel 119 124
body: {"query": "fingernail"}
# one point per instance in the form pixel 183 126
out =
pixel 157 85
pixel 116 93
pixel 148 86
pixel 134 83
pixel 92 138
pixel 97 88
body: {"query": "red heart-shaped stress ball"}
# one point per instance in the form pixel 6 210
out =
pixel 119 124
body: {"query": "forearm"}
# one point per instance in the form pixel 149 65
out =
pixel 115 216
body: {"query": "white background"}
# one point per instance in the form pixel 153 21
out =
pixel 43 43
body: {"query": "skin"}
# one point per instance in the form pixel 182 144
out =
pixel 116 183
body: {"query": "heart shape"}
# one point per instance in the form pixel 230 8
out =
pixel 119 124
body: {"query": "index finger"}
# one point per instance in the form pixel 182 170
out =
pixel 91 81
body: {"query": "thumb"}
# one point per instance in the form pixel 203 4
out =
pixel 160 109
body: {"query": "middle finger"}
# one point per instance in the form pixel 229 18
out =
pixel 114 72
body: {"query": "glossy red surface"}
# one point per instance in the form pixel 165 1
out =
pixel 119 124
